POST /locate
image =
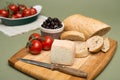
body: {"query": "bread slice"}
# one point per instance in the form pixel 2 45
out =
pixel 81 49
pixel 95 43
pixel 72 35
pixel 106 45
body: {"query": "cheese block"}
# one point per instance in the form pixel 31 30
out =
pixel 81 49
pixel 62 52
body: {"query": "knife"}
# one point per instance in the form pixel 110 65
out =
pixel 58 67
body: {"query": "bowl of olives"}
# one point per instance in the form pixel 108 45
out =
pixel 52 27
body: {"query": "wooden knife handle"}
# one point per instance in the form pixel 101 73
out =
pixel 71 71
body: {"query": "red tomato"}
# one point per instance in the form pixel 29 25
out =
pixel 35 36
pixel 26 12
pixel 33 11
pixel 35 47
pixel 47 42
pixel 22 7
pixel 4 13
pixel 13 7
pixel 17 15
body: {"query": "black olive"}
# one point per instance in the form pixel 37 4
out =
pixel 52 23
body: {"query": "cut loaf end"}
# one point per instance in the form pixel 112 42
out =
pixel 72 35
pixel 86 25
pixel 81 49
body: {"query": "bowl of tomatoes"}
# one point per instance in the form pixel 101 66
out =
pixel 19 14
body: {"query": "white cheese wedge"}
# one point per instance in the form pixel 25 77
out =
pixel 62 52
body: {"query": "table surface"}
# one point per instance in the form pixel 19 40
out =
pixel 105 10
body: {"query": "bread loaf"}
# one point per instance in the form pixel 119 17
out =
pixel 106 45
pixel 63 52
pixel 95 43
pixel 81 49
pixel 87 26
pixel 72 35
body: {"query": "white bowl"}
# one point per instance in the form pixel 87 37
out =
pixel 55 33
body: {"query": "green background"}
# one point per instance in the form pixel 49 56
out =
pixel 107 11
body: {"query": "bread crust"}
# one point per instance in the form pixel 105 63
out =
pixel 88 26
pixel 72 35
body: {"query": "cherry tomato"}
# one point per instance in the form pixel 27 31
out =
pixel 33 11
pixel 26 12
pixel 35 36
pixel 4 13
pixel 13 7
pixel 22 7
pixel 17 15
pixel 47 42
pixel 35 47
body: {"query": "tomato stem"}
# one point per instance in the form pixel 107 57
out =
pixel 42 38
pixel 27 45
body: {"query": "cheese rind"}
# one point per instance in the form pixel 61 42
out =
pixel 62 52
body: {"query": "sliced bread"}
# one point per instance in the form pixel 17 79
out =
pixel 95 43
pixel 81 49
pixel 106 45
pixel 72 35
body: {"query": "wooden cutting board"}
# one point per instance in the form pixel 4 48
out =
pixel 93 64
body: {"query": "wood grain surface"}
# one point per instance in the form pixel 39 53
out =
pixel 93 64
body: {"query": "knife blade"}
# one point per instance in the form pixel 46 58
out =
pixel 59 67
